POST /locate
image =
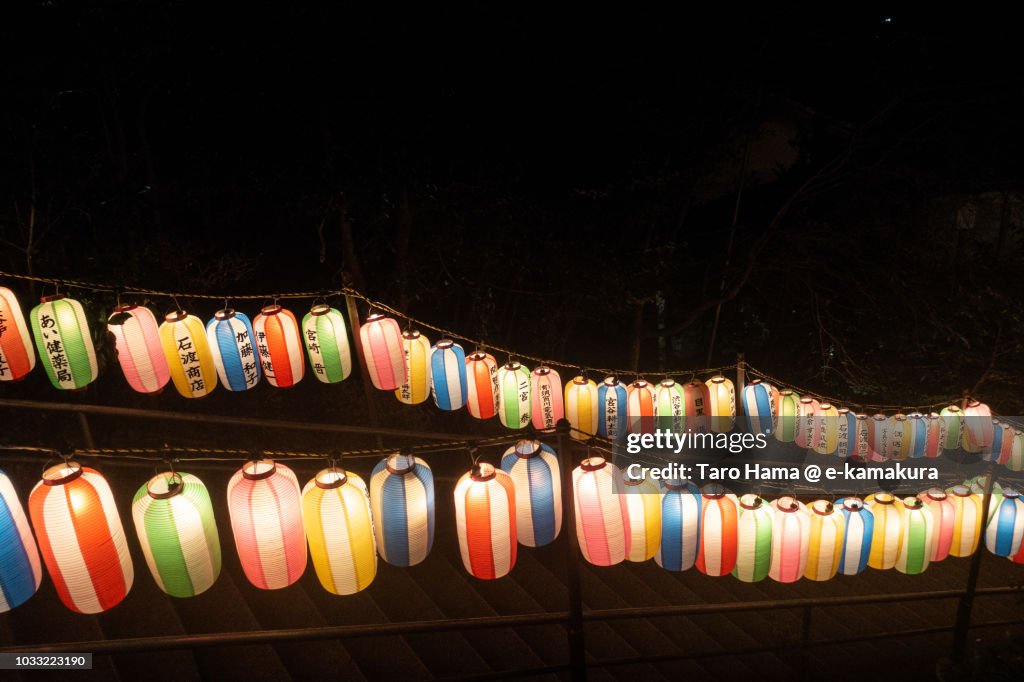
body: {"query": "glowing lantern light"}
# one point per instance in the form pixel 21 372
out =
pixel 188 354
pixel 81 538
pixel 644 510
pixel 944 517
pixel 536 474
pixel 20 569
pixel 825 434
pixel 696 406
pixel 233 348
pixel 978 426
pixel 880 431
pixel 859 531
pixel 137 340
pixel 718 534
pixel 806 409
pixel 402 499
pixel 174 520
pixel 852 440
pixel 1005 523
pixel 514 395
pixel 280 346
pixel 669 410
pixel 953 417
pixel 602 514
pixel 546 387
pixel 900 437
pixel 381 338
pixel 886 542
pixel 265 506
pixel 722 405
pixel 759 407
pixel 62 339
pixel 918 429
pixel 753 539
pixel 967 507
pixel 485 516
pixel 612 409
pixel 448 375
pixel 326 337
pixel 640 407
pixel 16 355
pixel 918 542
pixel 1015 462
pixel 1002 443
pixel 935 434
pixel 482 395
pixel 416 349
pixel 825 542
pixel 681 507
pixel 787 415
pixel 339 530
pixel 791 533
pixel 581 407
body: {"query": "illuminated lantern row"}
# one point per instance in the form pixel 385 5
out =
pixel 416 350
pixel 967 506
pixel 753 539
pixel 759 407
pixel 279 344
pixel 722 406
pixel 611 409
pixel 448 375
pixel 917 545
pixel 514 395
pixel 20 569
pixel 787 416
pixel 233 348
pixel 326 337
pixel 859 530
pixel 188 354
pixel 643 503
pixel 1005 523
pixel 266 517
pixel 535 472
pixel 581 407
pixel 402 499
pixel 63 341
pixel 669 408
pixel 482 394
pixel 485 520
pixel 383 353
pixel 336 519
pixel 825 541
pixel 546 390
pixel 717 553
pixel 81 538
pixel 137 343
pixel 602 514
pixel 886 541
pixel 681 506
pixel 16 355
pixel 174 520
pixel 791 531
pixel 944 518
pixel 640 407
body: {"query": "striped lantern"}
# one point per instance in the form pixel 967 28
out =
pixel 536 473
pixel 279 343
pixel 485 518
pixel 718 535
pixel 644 510
pixel 852 441
pixel 448 375
pixel 825 434
pixel 944 518
pixel 759 407
pixel 546 388
pixel 935 434
pixel 978 427
pixel 188 354
pixel 402 499
pixel 1015 462
pixel 326 337
pixel 722 406
pixel 1018 558
pixel 416 350
pixel 612 409
pixel 20 569
pixel 791 534
pixel 681 507
pixel 640 407
pixel 697 406
pixel 953 416
pixel 825 542
pixel 918 541
pixel 382 351
pixel 879 430
pixel 481 385
pixel 514 395
pixel 602 514
pixel 900 437
pixel 918 427
pixel 1002 443
pixel 888 535
pixel 967 506
pixel 233 348
pixel 581 407
pixel 339 530
pixel 16 355
pixel 859 524
pixel 787 415
pixel 174 520
pixel 806 410
pixel 1005 528
pixel 669 414
pixel 264 502
pixel 81 538
pixel 977 484
pixel 137 342
pixel 753 539
pixel 63 341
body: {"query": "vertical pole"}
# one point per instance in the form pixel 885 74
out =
pixel 83 424
pixel 741 382
pixel 805 636
pixel 577 650
pixel 963 611
pixel 357 340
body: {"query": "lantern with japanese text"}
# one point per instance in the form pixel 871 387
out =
pixel 448 375
pixel 233 348
pixel 481 385
pixel 81 538
pixel 581 407
pixel 644 510
pixel 753 539
pixel 602 514
pixel 722 405
pixel 1002 443
pixel 967 506
pixel 402 499
pixel 612 409
pixel 485 518
pixel 918 541
pixel 416 349
pixel 188 354
pixel 63 341
pixel 514 395
pixel 758 407
pixel 718 535
pixel 264 503
pixel 825 434
pixel 806 409
pixel 880 430
pixel 669 414
pixel 978 426
pixel 326 337
pixel 1005 528
pixel 944 518
pixel 900 437
pixel 137 342
pixel 546 388
pixel 825 542
pixel 381 338
pixel 681 507
pixel 640 407
pixel 697 406
pixel 888 535
pixel 16 355
pixel 280 346
pixel 859 524
pixel 852 438
pixel 536 474
pixel 953 417
pixel 339 530
pixel 935 434
pixel 20 569
pixel 791 534
pixel 787 416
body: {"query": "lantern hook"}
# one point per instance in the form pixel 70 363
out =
pixel 177 306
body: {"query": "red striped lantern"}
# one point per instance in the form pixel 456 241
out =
pixel 279 344
pixel 546 388
pixel 978 427
pixel 791 533
pixel 482 388
pixel 485 517
pixel 139 351
pixel 602 514
pixel 806 409
pixel 944 517
pixel 718 531
pixel 723 403
pixel 640 407
pixel 16 355
pixel 581 407
pixel 383 353
pixel 81 538
pixel 935 434
pixel 697 406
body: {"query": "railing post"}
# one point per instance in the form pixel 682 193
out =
pixel 805 635
pixel 357 341
pixel 963 611
pixel 741 382
pixel 577 646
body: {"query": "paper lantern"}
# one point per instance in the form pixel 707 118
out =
pixel 264 502
pixel 326 337
pixel 417 350
pixel 888 535
pixel 381 338
pixel 514 395
pixel 137 342
pixel 485 518
pixel 825 433
pixel 681 508
pixel 1018 558
pixel 935 434
pixel 953 417
pixel 537 476
pixel 852 435
pixel 722 405
pixel 825 542
pixel 581 407
pixel 805 421
pixel 643 502
pixel 859 524
pixel 174 521
pixel 402 499
pixel 20 569
pixel 233 349
pixel 482 389
pixel 967 506
pixel 1002 443
pixel 918 428
pixel 602 514
pixel 900 437
pixel 787 416
pixel 978 427
pixel 279 343
pixel 63 341
pixel 640 407
pixel 718 534
pixel 669 414
pixel 753 539
pixel 697 406
pixel 759 407
pixel 1005 528
pixel 339 530
pixel 944 518
pixel 880 431
pixel 546 388
pixel 791 534
pixel 612 409
pixel 81 538
pixel 16 355
pixel 977 485
pixel 1015 462
pixel 918 542
pixel 448 375
pixel 188 354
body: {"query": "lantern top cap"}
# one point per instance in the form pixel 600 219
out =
pixel 320 309
pixel 822 507
pixel 1010 492
pixel 853 504
pixel 176 315
pixel 62 474
pixel 272 309
pixel 787 391
pixel 579 380
pixel 476 355
pixel 960 490
pixel 787 504
pixel 400 463
pixel 912 502
pixel 513 366
pixel 825 405
pixel 674 484
pixel 879 417
pixel 525 449
pixel 843 410
pixel 52 297
pixel 611 381
pixel 593 464
pixel 483 472
pixel 935 494
pixel 259 469
pixel 124 308
pixel 330 478
pixel 751 501
pixel 445 343
pixel 885 498
pixel 640 383
pixel 411 334
pixel 718 379
pixel 224 314
pixel 952 408
pixel 714 491
pixel 807 399
pixel 542 370
pixel 900 417
pixel 375 317
pixel 165 485
pixel 667 382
